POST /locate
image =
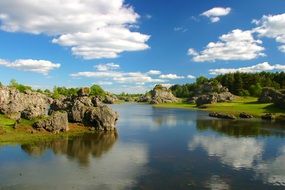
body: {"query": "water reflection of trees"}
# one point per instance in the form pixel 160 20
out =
pixel 79 148
pixel 241 128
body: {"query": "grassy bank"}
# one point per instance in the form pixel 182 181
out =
pixel 241 104
pixel 24 132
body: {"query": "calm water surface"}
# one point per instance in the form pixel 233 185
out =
pixel 153 149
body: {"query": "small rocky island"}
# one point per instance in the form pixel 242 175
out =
pixel 54 115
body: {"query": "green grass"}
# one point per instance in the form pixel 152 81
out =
pixel 25 133
pixel 241 104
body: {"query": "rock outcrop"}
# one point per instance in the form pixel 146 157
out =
pixel 214 98
pixel 222 115
pixel 244 115
pixel 110 99
pixel 210 93
pixel 56 122
pixel 270 95
pixel 57 112
pixel 145 98
pixel 268 116
pixel 28 105
pixel 89 111
pixel 161 94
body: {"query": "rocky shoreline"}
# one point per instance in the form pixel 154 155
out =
pixel 53 115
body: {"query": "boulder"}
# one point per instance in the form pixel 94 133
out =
pixel 27 105
pixel 89 111
pixel 161 94
pixel 222 115
pixel 225 97
pixel 206 99
pixel 280 118
pixel 214 98
pixel 110 99
pixel 192 100
pixel 144 98
pixel 56 122
pixel 270 95
pixel 100 118
pixel 210 93
pixel 244 115
pixel 267 95
pixel 268 116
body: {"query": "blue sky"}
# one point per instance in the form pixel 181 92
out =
pixel 132 45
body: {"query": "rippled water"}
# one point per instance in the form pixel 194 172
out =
pixel 153 149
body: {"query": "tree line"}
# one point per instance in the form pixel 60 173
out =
pixel 57 92
pixel 241 84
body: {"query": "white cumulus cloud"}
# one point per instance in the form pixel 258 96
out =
pixel 236 45
pixel 37 66
pixel 191 77
pixel 92 29
pixel 171 76
pixel 272 26
pixel 109 72
pixel 282 48
pixel 107 67
pixel 154 72
pixel 251 69
pixel 215 13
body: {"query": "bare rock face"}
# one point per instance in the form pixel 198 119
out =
pixel 270 95
pixel 268 116
pixel 110 99
pixel 222 115
pixel 89 111
pixel 101 118
pixel 267 95
pixel 214 98
pixel 27 105
pixel 161 94
pixel 210 93
pixel 244 115
pixel 56 122
pixel 144 98
pixel 206 99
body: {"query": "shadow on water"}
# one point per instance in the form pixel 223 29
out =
pixel 79 148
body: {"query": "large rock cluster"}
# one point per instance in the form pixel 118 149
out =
pixel 213 98
pixel 270 95
pixel 86 110
pixel 159 94
pixel 209 93
pixel 53 114
pixel 28 105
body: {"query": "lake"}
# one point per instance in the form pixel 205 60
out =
pixel 153 149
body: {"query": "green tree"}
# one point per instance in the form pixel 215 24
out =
pixel 55 93
pixel 238 84
pixel 255 90
pixel 201 80
pixel 96 90
pixel 20 87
